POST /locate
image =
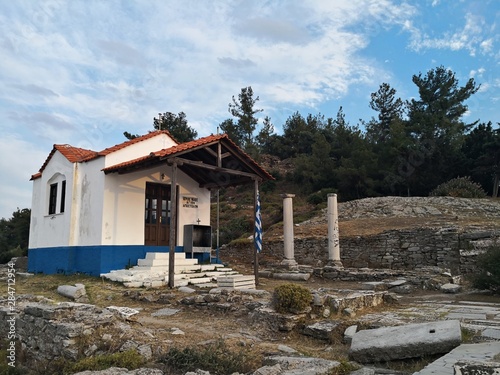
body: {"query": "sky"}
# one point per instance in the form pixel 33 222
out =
pixel 82 72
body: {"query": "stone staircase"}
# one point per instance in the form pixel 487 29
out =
pixel 153 272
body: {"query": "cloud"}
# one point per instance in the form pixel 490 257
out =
pixel 19 159
pixel 471 37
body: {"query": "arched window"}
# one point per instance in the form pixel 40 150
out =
pixel 56 190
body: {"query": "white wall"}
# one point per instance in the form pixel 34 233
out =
pixel 139 149
pixel 124 196
pixel 51 230
pixel 88 197
pixel 107 209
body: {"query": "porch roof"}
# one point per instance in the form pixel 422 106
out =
pixel 213 161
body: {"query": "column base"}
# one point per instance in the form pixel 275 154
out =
pixel 289 263
pixel 335 264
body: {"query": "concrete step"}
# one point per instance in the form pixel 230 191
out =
pixel 165 255
pixel 165 262
pixel 199 280
pixel 236 281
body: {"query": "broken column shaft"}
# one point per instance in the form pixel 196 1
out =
pixel 288 230
pixel 333 232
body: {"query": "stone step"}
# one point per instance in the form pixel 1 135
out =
pixel 237 281
pixel 165 255
pixel 165 262
pixel 200 280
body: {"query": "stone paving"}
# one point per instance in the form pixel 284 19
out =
pixel 481 318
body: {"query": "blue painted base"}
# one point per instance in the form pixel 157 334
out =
pixel 90 260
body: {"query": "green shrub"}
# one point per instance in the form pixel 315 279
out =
pixel 129 359
pixel 216 358
pixel 291 298
pixel 488 276
pixel 460 187
pixel 320 196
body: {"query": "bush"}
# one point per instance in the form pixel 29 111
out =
pixel 216 358
pixel 460 187
pixel 320 196
pixel 291 298
pixel 129 359
pixel 488 276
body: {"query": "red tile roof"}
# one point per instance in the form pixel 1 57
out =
pixel 75 154
pixel 187 147
pixel 169 151
pixel 72 154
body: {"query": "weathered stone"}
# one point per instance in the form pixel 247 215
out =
pixel 374 285
pixel 409 341
pixel 292 276
pixel 451 288
pixel 286 349
pixel 75 292
pixel 302 365
pixel 349 332
pixel 269 370
pixel 476 368
pixel 185 289
pixel 321 330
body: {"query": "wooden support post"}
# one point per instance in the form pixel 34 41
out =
pixel 173 226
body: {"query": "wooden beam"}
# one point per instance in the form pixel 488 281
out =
pixel 230 171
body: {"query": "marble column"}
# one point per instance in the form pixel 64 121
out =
pixel 288 230
pixel 333 232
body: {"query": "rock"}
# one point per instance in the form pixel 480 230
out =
pixel 374 285
pixel 348 312
pixel 286 349
pixel 165 312
pixel 476 368
pixel 301 365
pixel 408 341
pixel 185 289
pixel 269 370
pixel 292 276
pixel 122 371
pixel 321 330
pixel 451 288
pixel 349 332
pixel 76 292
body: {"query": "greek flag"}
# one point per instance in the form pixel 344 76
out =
pixel 258 225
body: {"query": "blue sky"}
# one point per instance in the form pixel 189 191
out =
pixel 83 72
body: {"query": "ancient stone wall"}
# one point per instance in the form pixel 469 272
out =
pixel 448 248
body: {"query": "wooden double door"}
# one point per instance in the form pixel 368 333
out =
pixel 157 214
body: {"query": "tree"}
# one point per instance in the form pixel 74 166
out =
pixel 436 126
pixel 265 136
pixel 389 109
pixel 243 109
pixel 14 235
pixel 176 125
pixel 481 152
pixel 233 131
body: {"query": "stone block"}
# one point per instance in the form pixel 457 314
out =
pixel 408 341
pixel 450 288
pixel 321 330
pixel 476 368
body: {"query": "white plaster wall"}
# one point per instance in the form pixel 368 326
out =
pixel 51 230
pixel 36 213
pixel 139 149
pixel 124 195
pixel 88 197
